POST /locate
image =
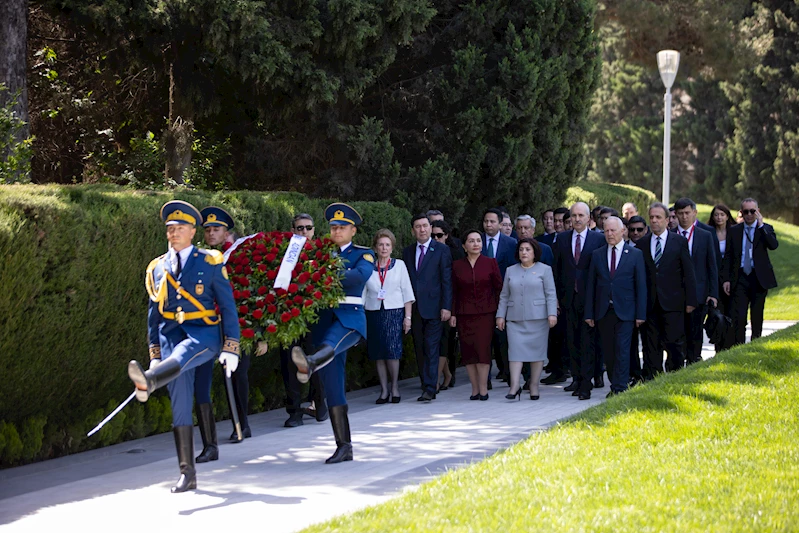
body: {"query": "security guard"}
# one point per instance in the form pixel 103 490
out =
pixel 341 328
pixel 184 286
pixel 218 225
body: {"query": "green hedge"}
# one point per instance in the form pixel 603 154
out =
pixel 610 195
pixel 73 308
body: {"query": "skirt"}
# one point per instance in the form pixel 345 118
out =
pixel 528 340
pixel 384 333
pixel 475 333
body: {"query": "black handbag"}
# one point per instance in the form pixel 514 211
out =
pixel 717 325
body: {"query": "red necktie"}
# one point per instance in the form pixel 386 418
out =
pixel 577 249
pixel 421 256
pixel 613 262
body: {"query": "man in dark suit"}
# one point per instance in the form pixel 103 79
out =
pixel 702 248
pixel 671 292
pixel 615 300
pixel 430 268
pixel 637 229
pixel 573 251
pixel 502 248
pixel 525 229
pixel 747 271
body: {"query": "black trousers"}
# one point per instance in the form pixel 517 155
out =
pixel 241 391
pixel 453 348
pixel 694 334
pixel 725 306
pixel 499 347
pixel 557 352
pixel 747 295
pixel 288 369
pixel 582 351
pixel 663 329
pixel 427 345
pixel 635 358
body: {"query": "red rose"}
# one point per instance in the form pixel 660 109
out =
pixel 328 280
pixel 293 288
pixel 238 269
pixel 236 295
pixel 246 293
pixel 271 274
pixel 319 254
pixel 275 250
pixel 270 298
pixel 308 246
pixel 229 269
pixel 248 333
pixel 318 295
pixel 260 304
pixel 257 258
pixel 308 303
pixel 287 235
pixel 304 256
pixel 280 292
pixel 285 317
pixel 226 246
pixel 304 277
pixel 289 303
pixel 316 276
pixel 272 309
pixel 315 264
pixel 262 267
pixel 319 243
pixel 244 281
pixel 327 240
pixel 270 257
pixel 271 328
pixel 243 309
pixel 257 314
pixel 247 270
pixel 242 322
pixel 326 257
pixel 261 247
pixel 244 260
pixel 323 271
pixel 295 312
pixel 298 299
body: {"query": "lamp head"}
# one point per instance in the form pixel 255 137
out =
pixel 668 63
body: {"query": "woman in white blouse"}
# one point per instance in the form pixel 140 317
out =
pixel 388 298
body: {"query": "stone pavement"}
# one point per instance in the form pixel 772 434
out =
pixel 278 480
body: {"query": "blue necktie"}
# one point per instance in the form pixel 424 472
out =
pixel 491 248
pixel 748 252
pixel 658 252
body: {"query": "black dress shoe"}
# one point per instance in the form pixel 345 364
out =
pixel 584 396
pixel 575 392
pixel 396 399
pixel 599 382
pixel 483 397
pixel 554 378
pixel 573 386
pixel 475 397
pixel 294 420
pixel 426 397
pixel 612 394
pixel 245 434
pixel 534 397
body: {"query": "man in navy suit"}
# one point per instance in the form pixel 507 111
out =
pixel 702 248
pixel 525 229
pixel 502 248
pixel 747 273
pixel 573 250
pixel 615 300
pixel 430 269
pixel 671 292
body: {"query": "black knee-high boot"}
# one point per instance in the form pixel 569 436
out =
pixel 147 382
pixel 184 442
pixel 341 430
pixel 205 419
pixel 308 364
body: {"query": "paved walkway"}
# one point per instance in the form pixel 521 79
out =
pixel 277 479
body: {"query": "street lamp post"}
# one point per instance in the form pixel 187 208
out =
pixel 668 63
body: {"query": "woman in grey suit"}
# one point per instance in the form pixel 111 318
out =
pixel 528 306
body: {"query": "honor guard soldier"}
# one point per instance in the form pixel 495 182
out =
pixel 218 225
pixel 185 286
pixel 340 328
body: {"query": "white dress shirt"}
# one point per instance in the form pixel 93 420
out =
pixel 582 235
pixel 495 241
pixel 619 249
pixel 184 256
pixel 419 251
pixel 652 245
pixel 688 234
pixel 345 246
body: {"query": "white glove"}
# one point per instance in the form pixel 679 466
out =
pixel 230 361
pixel 154 363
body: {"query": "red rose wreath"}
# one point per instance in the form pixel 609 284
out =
pixel 282 316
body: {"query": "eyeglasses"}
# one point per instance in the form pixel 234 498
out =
pixel 638 230
pixel 438 235
pixel 748 211
pixel 309 227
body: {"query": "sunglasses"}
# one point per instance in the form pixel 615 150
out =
pixel 748 211
pixel 638 230
pixel 438 235
pixel 309 227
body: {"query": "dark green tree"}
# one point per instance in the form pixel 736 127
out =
pixel 765 146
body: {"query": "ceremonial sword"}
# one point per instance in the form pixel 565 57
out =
pixel 112 415
pixel 234 410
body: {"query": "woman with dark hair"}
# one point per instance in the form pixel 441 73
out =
pixel 721 220
pixel 476 284
pixel 441 232
pixel 528 307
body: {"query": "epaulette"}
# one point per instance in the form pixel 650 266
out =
pixel 213 257
pixel 153 263
pixel 358 246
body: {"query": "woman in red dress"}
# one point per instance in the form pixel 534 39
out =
pixel 476 284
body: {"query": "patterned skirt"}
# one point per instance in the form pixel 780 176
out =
pixel 384 333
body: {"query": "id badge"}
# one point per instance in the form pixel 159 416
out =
pixel 381 294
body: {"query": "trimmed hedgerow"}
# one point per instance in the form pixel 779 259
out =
pixel 73 308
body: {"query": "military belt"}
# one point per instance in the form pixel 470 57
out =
pixel 182 316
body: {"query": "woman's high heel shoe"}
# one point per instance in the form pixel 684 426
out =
pixel 517 394
pixel 395 399
pixel 381 401
pixel 474 397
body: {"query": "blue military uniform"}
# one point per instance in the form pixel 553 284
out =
pixel 338 330
pixel 184 328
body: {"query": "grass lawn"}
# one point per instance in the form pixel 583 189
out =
pixel 713 448
pixel 783 302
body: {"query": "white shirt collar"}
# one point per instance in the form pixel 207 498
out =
pixel 425 244
pixel 582 234
pixel 662 235
pixel 346 246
